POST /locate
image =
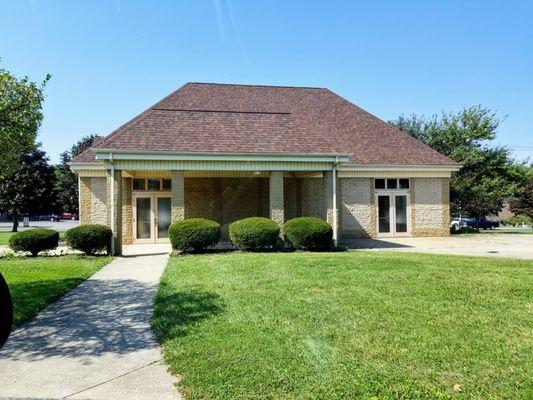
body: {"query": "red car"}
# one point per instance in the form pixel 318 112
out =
pixel 71 216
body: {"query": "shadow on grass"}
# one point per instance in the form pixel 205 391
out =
pixel 176 313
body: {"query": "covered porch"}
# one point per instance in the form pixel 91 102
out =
pixel 141 198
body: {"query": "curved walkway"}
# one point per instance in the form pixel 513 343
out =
pixel 95 342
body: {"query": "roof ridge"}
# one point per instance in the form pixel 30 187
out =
pixel 253 85
pixel 222 111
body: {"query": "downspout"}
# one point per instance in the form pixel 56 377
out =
pixel 334 186
pixel 112 211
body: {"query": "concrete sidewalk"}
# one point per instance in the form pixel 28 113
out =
pixel 486 245
pixel 95 342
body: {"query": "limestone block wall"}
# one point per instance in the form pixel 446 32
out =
pixel 357 214
pixel 430 206
pixel 93 201
pixel 312 198
pixel 85 200
pixel 127 230
pixel 226 199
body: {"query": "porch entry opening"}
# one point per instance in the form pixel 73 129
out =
pixel 151 217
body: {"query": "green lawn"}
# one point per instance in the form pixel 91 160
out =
pixel 347 326
pixel 4 237
pixel 36 282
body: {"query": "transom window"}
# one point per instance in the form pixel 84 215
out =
pixel 391 183
pixel 152 184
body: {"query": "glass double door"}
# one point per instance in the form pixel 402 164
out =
pixel 392 214
pixel 151 217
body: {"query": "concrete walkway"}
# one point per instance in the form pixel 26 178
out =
pixel 486 245
pixel 95 342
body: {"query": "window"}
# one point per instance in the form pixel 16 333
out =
pixel 152 184
pixel 139 184
pixel 404 183
pixel 392 183
pixel 167 184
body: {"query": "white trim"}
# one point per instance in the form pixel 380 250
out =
pixel 101 154
pixel 391 194
pixel 153 196
pixel 334 185
pixel 112 211
pixel 75 166
pixel 399 168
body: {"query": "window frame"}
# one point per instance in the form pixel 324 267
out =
pixel 397 188
pixel 160 189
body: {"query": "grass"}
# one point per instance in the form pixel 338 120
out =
pixel 347 326
pixel 36 282
pixel 4 237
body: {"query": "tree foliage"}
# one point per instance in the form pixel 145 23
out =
pixel 488 175
pixel 522 204
pixel 30 189
pixel 67 181
pixel 20 118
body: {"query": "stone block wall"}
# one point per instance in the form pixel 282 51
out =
pixel 93 201
pixel 127 229
pixel 430 206
pixel 357 214
pixel 226 199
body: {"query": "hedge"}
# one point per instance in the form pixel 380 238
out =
pixel 194 233
pixel 91 239
pixel 34 240
pixel 308 233
pixel 254 233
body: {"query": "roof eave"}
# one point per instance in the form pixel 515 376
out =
pixel 159 155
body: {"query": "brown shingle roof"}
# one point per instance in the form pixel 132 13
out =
pixel 206 117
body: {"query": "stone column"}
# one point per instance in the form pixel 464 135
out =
pixel 277 211
pixel 177 202
pixel 114 196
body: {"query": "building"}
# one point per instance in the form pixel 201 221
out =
pixel 226 152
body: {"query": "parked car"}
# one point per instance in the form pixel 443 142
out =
pixel 479 223
pixel 71 216
pixel 48 217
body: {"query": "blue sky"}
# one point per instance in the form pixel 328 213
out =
pixel 112 59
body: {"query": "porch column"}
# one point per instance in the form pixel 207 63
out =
pixel 177 202
pixel 114 188
pixel 330 201
pixel 277 211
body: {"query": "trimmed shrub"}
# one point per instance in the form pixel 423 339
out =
pixel 194 233
pixel 308 233
pixel 90 239
pixel 254 233
pixel 34 240
pixel 463 229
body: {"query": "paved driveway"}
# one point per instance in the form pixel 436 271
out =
pixel 488 245
pixel 95 342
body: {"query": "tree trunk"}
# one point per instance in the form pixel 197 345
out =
pixel 15 223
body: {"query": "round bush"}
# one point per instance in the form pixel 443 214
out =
pixel 90 239
pixel 308 233
pixel 34 240
pixel 254 233
pixel 194 233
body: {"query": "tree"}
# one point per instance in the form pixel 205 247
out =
pixel 488 175
pixel 30 190
pixel 20 118
pixel 67 181
pixel 522 204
